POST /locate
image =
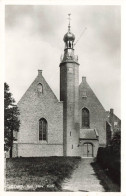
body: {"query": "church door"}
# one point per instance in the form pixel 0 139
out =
pixel 88 150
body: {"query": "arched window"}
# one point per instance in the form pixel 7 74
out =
pixel 42 129
pixel 40 88
pixel 85 118
pixel 69 45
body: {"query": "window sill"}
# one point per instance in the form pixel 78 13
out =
pixel 85 127
pixel 43 142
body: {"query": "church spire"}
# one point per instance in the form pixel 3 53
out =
pixel 69 38
pixel 69 22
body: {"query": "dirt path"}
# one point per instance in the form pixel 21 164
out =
pixel 85 179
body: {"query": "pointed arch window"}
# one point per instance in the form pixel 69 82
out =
pixel 42 129
pixel 85 118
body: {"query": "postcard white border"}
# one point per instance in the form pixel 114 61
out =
pixel 122 3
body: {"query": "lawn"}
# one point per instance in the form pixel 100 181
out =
pixel 38 173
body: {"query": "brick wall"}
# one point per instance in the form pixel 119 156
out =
pixel 97 112
pixel 69 93
pixel 38 150
pixel 33 106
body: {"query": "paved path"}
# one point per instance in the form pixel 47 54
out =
pixel 83 179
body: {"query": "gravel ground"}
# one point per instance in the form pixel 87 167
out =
pixel 89 177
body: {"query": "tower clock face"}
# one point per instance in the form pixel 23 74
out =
pixel 70 70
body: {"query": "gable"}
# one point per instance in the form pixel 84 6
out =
pixel 39 102
pixel 97 113
pixel 40 91
pixel 88 98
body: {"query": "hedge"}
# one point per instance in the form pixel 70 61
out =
pixel 110 161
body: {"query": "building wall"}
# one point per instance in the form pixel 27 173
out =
pixel 109 133
pixel 7 154
pixel 63 118
pixel 114 121
pixel 38 150
pixel 15 149
pixel 97 112
pixel 34 106
pixel 69 93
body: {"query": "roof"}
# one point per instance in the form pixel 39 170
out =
pixel 69 37
pixel 91 97
pixel 115 117
pixel 31 93
pixel 88 134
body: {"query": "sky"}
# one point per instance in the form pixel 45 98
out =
pixel 34 40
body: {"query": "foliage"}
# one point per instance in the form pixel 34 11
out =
pixel 11 121
pixel 116 143
pixel 109 157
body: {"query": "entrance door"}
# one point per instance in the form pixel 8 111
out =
pixel 88 150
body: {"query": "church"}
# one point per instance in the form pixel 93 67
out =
pixel 75 125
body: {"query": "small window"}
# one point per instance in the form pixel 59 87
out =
pixel 72 146
pixel 115 123
pixel 70 133
pixel 40 88
pixel 84 95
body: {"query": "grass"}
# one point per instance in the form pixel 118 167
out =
pixel 38 173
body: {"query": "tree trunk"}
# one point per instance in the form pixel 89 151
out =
pixel 11 149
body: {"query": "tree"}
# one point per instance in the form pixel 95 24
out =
pixel 116 142
pixel 11 121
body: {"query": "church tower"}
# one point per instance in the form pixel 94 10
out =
pixel 69 94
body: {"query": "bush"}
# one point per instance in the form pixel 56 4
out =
pixel 116 143
pixel 109 161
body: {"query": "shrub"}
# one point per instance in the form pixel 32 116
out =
pixel 108 160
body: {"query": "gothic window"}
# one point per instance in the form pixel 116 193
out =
pixel 42 129
pixel 85 118
pixel 40 88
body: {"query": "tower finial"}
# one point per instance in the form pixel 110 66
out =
pixel 69 22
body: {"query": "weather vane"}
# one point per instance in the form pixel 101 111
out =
pixel 69 21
